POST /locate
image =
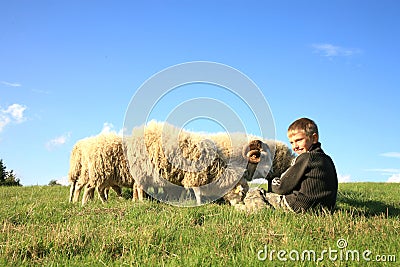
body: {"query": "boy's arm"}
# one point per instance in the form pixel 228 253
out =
pixel 292 177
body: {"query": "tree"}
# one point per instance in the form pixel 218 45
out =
pixel 7 178
pixel 53 183
pixel 3 172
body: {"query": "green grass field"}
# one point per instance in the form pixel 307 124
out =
pixel 39 227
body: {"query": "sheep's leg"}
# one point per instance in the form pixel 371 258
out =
pixel 197 193
pixel 185 194
pixel 140 193
pixel 71 191
pixel 78 187
pixel 137 192
pixel 106 192
pixel 88 194
pixel 91 194
pixel 102 195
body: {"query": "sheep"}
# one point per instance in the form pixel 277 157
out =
pixel 94 157
pixel 78 175
pixel 210 164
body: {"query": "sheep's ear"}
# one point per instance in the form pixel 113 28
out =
pixel 256 144
pixel 254 156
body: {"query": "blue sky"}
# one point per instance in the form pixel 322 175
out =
pixel 68 70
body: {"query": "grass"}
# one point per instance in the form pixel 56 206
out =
pixel 38 227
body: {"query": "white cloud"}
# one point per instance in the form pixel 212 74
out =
pixel 11 84
pixel 58 141
pixel 16 111
pixel 344 178
pixel 395 178
pixel 386 171
pixel 393 172
pixel 391 154
pixel 109 128
pixel 330 50
pixel 13 114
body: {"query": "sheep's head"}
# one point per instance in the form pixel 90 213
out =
pixel 252 152
pixel 259 159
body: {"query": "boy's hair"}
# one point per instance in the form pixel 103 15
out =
pixel 303 124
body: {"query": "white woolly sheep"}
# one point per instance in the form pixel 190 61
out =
pixel 95 160
pixel 78 175
pixel 161 154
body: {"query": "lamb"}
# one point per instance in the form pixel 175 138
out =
pixel 210 164
pixel 96 158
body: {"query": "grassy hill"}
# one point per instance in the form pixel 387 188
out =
pixel 39 227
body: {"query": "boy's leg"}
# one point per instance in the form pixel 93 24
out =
pixel 277 201
pixel 258 198
pixel 255 200
pixel 273 199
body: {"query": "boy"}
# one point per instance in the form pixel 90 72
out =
pixel 310 182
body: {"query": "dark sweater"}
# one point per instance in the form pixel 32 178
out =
pixel 311 181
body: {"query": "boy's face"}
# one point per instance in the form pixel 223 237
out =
pixel 301 142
